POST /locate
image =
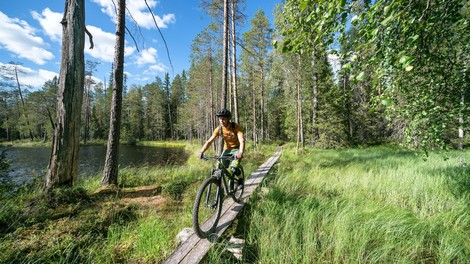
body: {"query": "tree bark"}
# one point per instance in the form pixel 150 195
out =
pixel 315 96
pixel 461 122
pixel 253 95
pixel 224 66
pixel 234 63
pixel 300 132
pixel 168 104
pixel 262 110
pixel 110 173
pixel 225 57
pixel 63 165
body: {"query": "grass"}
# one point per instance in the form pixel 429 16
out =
pixel 371 205
pixel 134 223
pixel 368 205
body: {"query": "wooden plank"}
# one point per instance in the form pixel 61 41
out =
pixel 194 249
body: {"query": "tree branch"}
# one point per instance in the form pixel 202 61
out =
pixel 128 31
pixel 164 41
pixel 90 36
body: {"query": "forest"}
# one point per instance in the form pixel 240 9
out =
pixel 327 74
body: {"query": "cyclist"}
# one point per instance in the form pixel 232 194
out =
pixel 232 134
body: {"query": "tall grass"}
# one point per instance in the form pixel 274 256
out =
pixel 372 205
pixel 80 225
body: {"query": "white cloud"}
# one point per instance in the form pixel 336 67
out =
pixel 155 69
pixel 144 19
pixel 39 77
pixel 335 63
pixel 30 77
pixel 142 79
pixel 103 45
pixel 18 37
pixel 147 56
pixel 50 23
pixel 139 12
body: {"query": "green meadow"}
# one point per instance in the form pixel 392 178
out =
pixel 370 205
pixel 363 205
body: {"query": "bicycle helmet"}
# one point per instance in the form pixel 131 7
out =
pixel 224 112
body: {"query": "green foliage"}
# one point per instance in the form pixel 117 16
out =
pixel 418 52
pixel 402 75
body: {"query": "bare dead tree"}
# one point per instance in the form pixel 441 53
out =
pixel 63 164
pixel 111 168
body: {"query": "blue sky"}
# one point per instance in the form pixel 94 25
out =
pixel 30 34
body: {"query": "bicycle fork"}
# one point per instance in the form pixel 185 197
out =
pixel 211 203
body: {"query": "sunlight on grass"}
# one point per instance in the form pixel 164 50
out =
pixel 137 222
pixel 375 205
pixel 153 239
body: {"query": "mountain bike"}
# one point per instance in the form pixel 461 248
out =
pixel 209 199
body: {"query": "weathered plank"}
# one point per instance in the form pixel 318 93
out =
pixel 194 249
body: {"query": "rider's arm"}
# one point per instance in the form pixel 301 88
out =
pixel 208 143
pixel 241 139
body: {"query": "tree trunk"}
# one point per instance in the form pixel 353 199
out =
pixel 224 66
pixel 315 97
pixel 63 165
pixel 347 107
pixel 168 104
pixel 461 122
pixel 234 64
pixel 253 98
pixel 212 121
pixel 225 57
pixel 262 110
pixel 110 174
pixel 300 133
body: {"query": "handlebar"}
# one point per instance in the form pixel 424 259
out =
pixel 227 157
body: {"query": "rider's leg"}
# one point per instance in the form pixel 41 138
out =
pixel 234 164
pixel 231 165
pixel 226 162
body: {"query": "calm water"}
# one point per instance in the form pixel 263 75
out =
pixel 29 162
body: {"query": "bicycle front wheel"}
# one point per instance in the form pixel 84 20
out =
pixel 207 208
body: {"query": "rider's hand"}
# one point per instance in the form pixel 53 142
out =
pixel 239 156
pixel 200 155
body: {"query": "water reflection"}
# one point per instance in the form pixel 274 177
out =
pixel 29 162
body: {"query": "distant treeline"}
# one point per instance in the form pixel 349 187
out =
pixel 399 73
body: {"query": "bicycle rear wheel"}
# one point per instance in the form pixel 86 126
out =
pixel 237 186
pixel 207 208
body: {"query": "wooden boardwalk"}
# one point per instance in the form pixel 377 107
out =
pixel 194 249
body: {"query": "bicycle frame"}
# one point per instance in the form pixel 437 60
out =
pixel 223 171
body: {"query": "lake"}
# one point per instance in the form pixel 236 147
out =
pixel 27 163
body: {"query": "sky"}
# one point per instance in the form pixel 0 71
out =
pixel 30 35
